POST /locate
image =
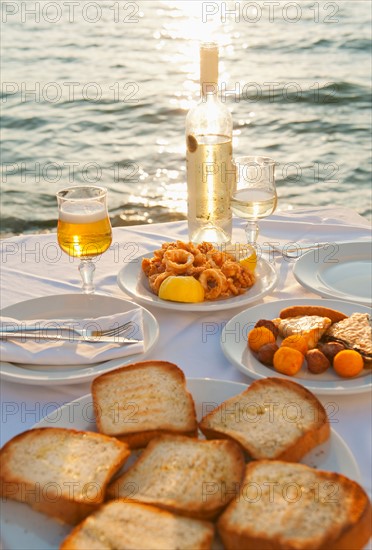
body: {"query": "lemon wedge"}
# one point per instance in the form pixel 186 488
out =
pixel 245 254
pixel 250 261
pixel 181 289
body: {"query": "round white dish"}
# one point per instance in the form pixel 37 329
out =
pixel 67 306
pixel 234 346
pixel 342 271
pixel 133 281
pixel 21 527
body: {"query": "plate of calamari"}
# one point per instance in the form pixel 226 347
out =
pixel 222 277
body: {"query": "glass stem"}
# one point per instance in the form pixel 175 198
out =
pixel 251 231
pixel 87 269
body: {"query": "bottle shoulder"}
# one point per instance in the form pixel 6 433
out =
pixel 209 104
pixel 209 116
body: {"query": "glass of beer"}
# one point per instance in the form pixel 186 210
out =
pixel 84 229
pixel 254 196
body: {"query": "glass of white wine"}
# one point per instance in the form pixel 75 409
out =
pixel 84 228
pixel 254 195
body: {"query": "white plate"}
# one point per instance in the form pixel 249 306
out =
pixel 133 281
pixel 67 306
pixel 342 271
pixel 234 345
pixel 21 527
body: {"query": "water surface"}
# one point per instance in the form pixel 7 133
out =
pixel 98 93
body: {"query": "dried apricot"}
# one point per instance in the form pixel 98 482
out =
pixel 296 341
pixel 348 363
pixel 288 360
pixel 259 336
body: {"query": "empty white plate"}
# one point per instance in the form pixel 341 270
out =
pixel 338 270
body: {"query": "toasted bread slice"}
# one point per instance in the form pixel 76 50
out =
pixel 191 477
pixel 355 333
pixel 123 524
pixel 60 472
pixel 294 507
pixel 272 419
pixel 143 400
pixel 312 327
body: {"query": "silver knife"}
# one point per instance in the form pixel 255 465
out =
pixel 37 336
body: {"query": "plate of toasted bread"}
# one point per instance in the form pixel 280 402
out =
pixel 253 341
pixel 201 463
pixel 340 270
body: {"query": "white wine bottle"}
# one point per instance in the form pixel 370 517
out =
pixel 210 168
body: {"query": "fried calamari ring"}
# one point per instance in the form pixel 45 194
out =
pixel 213 282
pixel 217 259
pixel 152 266
pixel 156 280
pixel 178 260
pixel 146 266
pixel 231 269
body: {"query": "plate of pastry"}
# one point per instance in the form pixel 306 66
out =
pixel 350 329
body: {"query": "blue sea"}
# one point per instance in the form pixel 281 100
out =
pixel 97 92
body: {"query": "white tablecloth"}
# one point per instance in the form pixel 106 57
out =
pixel 33 266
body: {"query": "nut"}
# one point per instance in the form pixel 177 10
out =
pixel 268 324
pixel 331 349
pixel 317 362
pixel 266 354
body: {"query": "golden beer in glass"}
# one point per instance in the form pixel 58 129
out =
pixel 84 228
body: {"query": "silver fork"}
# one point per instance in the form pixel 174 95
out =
pixel 83 333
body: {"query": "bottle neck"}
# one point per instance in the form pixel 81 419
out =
pixel 209 94
pixel 209 91
pixel 208 69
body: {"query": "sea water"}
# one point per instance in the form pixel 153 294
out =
pixel 97 93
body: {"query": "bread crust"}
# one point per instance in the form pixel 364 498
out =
pixel 353 535
pixel 358 533
pixel 206 528
pixel 294 451
pixel 56 497
pixel 139 365
pixel 299 311
pixel 140 438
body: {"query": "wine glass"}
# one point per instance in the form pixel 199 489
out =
pixel 84 228
pixel 254 195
